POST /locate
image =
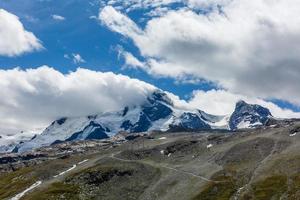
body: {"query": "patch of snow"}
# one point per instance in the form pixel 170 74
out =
pixel 82 162
pixel 245 124
pixel 62 173
pixel 294 134
pixel 162 138
pixel 20 195
pixel 223 123
pixel 162 124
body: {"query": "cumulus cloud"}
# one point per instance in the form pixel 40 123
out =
pixel 58 17
pixel 246 47
pixel 15 40
pixel 221 102
pixel 35 97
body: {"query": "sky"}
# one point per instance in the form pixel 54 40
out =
pixel 79 57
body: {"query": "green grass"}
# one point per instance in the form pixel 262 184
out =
pixel 58 190
pixel 15 182
pixel 294 190
pixel 218 191
pixel 109 180
pixel 270 188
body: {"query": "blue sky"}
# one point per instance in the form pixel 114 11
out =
pixel 78 33
pixel 209 53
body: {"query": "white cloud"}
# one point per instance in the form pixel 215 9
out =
pixel 14 39
pixel 58 17
pixel 130 60
pixel 77 58
pixel 221 102
pixel 119 23
pixel 159 11
pixel 66 56
pixel 246 47
pixel 207 3
pixel 35 97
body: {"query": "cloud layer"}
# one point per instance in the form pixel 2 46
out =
pixel 246 47
pixel 35 97
pixel 14 39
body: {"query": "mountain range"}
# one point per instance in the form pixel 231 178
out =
pixel 157 113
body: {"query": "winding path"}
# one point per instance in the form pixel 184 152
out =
pixel 166 167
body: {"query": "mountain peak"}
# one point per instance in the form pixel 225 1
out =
pixel 248 116
pixel 241 103
pixel 160 96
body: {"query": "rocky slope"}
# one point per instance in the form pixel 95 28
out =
pixel 249 164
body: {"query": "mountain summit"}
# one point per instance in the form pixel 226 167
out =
pixel 248 116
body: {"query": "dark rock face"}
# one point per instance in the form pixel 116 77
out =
pixel 57 142
pixel 97 134
pixel 94 130
pixel 157 111
pixel 247 112
pixel 156 108
pixel 15 150
pixel 125 111
pixel 190 122
pixel 142 125
pixel 160 96
pixel 19 158
pixel 126 125
pixel 61 121
pixel 132 137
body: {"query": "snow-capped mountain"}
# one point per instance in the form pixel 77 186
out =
pixel 8 141
pixel 156 113
pixel 248 116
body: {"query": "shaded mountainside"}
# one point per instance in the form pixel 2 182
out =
pixel 157 113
